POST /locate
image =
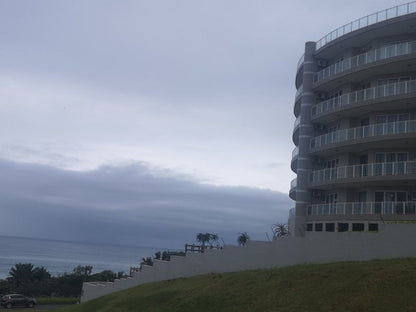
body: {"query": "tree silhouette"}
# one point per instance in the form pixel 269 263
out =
pixel 21 274
pixel 203 238
pixel 243 238
pixel 280 229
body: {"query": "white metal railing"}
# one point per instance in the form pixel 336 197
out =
pixel 368 20
pixel 366 58
pixel 365 170
pixel 374 130
pixel 363 208
pixel 295 152
pixel 391 89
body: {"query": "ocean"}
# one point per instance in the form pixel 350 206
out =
pixel 59 257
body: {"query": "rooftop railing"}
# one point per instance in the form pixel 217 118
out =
pixel 366 58
pixel 353 134
pixel 361 171
pixel 391 89
pixel 368 20
pixel 363 208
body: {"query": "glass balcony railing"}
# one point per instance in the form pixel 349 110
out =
pixel 300 62
pixel 366 58
pixel 355 134
pixel 293 184
pixel 297 123
pixel 295 152
pixel 392 89
pixel 368 20
pixel 363 208
pixel 360 171
pixel 298 92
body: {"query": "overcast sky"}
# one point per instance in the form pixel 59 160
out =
pixel 139 116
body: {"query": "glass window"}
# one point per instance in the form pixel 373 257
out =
pixel 358 227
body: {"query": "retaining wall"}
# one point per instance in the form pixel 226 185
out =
pixel 392 241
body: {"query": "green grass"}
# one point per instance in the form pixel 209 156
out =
pixel 388 285
pixel 56 300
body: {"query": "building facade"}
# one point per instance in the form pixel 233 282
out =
pixel 355 128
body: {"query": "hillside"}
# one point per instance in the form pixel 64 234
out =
pixel 388 285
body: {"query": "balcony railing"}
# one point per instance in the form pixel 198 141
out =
pixel 392 89
pixel 360 171
pixel 364 208
pixel 366 58
pixel 354 134
pixel 293 183
pixel 297 123
pixel 368 20
pixel 295 152
pixel 301 61
pixel 298 92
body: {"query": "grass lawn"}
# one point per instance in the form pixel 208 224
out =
pixel 388 285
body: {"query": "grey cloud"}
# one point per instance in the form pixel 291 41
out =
pixel 132 205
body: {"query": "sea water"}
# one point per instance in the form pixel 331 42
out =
pixel 59 257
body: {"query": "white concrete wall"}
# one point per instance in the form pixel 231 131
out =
pixel 392 241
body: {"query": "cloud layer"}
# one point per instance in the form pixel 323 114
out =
pixel 132 205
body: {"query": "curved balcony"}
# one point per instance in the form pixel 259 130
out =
pixel 298 92
pixel 299 72
pixel 292 191
pixel 364 173
pixel 363 208
pixel 301 61
pixel 365 21
pixel 363 97
pixel 295 135
pixel 296 108
pixel 372 56
pixel 363 134
pixel 294 162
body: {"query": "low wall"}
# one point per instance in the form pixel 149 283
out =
pixel 392 241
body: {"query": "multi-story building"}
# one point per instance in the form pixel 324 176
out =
pixel 355 128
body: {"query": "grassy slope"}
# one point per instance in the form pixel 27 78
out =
pixel 388 285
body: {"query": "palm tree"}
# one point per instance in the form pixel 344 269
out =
pixel 243 238
pixel 203 238
pixel 213 238
pixel 280 229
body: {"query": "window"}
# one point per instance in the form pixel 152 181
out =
pixel 390 163
pixel 390 202
pixel 318 227
pixel 330 227
pixel 373 227
pixel 309 227
pixel 342 227
pixel 358 227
